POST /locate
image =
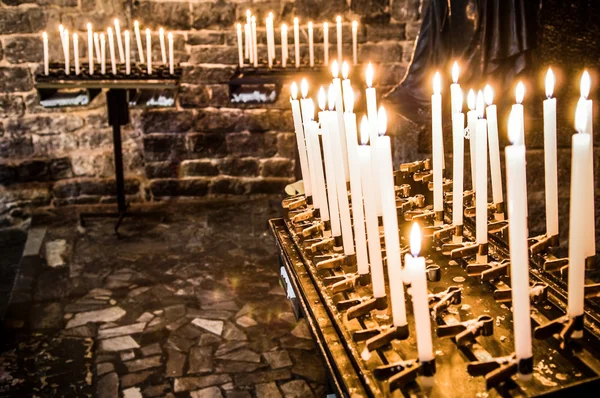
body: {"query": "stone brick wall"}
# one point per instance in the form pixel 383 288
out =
pixel 205 145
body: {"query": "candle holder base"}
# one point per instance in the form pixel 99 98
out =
pixel 557 265
pixel 543 243
pixel 538 294
pixel 439 302
pixel 347 283
pixel 500 370
pixel 337 241
pixel 565 328
pixel 467 249
pixel 591 263
pixel 293 202
pixel 500 211
pixel 305 215
pixel 366 306
pixel 408 372
pixel 380 337
pixel 317 227
pixel 325 244
pixel 464 332
pixel 433 273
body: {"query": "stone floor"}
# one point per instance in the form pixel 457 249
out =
pixel 188 306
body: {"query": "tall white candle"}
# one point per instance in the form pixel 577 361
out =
pixel 519 254
pixel 325 43
pixel 370 199
pixel 247 28
pixel 472 126
pixel 149 51
pixel 311 49
pixel 119 42
pixel 355 42
pixel 268 23
pixel 127 53
pixel 346 85
pixel 97 47
pixel 317 169
pixel 307 109
pixel 111 47
pixel 455 89
pixel 163 49
pixel 240 45
pixel 437 144
pixel 590 219
pixel 339 107
pixel 371 98
pixel 284 45
pixel 458 128
pixel 66 41
pixel 138 39
pixel 481 201
pixel 415 273
pixel 297 42
pixel 551 168
pixel 171 60
pixel 383 150
pixel 300 142
pixel 254 40
pixel 102 54
pixel 90 48
pixel 76 52
pixel 45 44
pixel 61 32
pixel 580 171
pixel 492 126
pixel 338 21
pixel 271 36
pixel 519 119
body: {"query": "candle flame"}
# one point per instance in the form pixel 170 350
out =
pixel 455 72
pixel 585 84
pixel 136 23
pixel 253 19
pixel 284 27
pixel 437 83
pixel 239 27
pixel 45 36
pixel 75 36
pixel 520 92
pixel 381 121
pixel 364 130
pixel 335 69
pixel 322 98
pixel 271 15
pixel 513 128
pixel 345 70
pixel 248 13
pixel 349 100
pixel 471 100
pixel 549 83
pixel 61 28
pixel 325 26
pixel 355 24
pixel 304 87
pixel 296 21
pixel 147 31
pixel 89 26
pixel 116 21
pixel 310 26
pixel 581 116
pixel 338 19
pixel 331 97
pixel 488 94
pixel 126 33
pixel 294 90
pixel 415 240
pixel 480 104
pixel 109 31
pixel 170 35
pixel 369 75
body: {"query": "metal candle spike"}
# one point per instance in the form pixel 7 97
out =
pixel 464 332
pixel 439 302
pixel 538 294
pixel 501 369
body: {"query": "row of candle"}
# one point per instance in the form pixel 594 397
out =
pixel 97 41
pixel 248 50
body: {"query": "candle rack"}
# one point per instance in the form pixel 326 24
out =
pixel 368 356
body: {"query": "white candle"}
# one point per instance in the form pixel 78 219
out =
pixel 149 51
pixel 455 90
pixel 111 47
pixel 171 60
pixel 97 47
pixel 346 85
pixel 416 275
pixel 551 168
pixel 492 128
pixel 271 36
pixel 311 49
pixel 355 42
pixel 317 169
pixel 437 145
pixel 371 98
pixel 383 150
pixel 325 43
pixel 119 42
pixel 339 151
pixel 458 128
pixel 269 52
pixel 45 44
pixel 66 48
pixel 76 52
pixel 300 142
pixel 297 42
pixel 481 202
pixel 90 48
pixel 373 239
pixel 580 171
pixel 254 40
pixel 520 119
pixel 307 108
pixel 284 45
pixel 163 49
pixel 127 53
pixel 339 107
pixel 472 126
pixel 240 45
pixel 248 47
pixel 61 31
pixel 138 38
pixel 519 254
pixel 358 214
pixel 338 20
pixel 590 219
pixel 102 54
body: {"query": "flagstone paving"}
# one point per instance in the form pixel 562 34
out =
pixel 189 306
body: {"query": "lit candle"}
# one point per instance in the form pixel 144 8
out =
pixel 492 129
pixel 339 107
pixel 90 48
pixel 270 36
pixel 102 54
pixel 297 42
pixel 415 273
pixel 580 170
pixel 437 149
pixel 76 52
pixel 311 49
pixel 46 62
pixel 119 42
pixel 284 45
pixel 300 142
pixel 334 213
pixel 455 90
pixel 61 31
pixel 481 202
pixel 590 218
pixel 171 60
pixel 254 40
pixel 66 48
pixel 248 36
pixel 97 47
pixel 346 85
pixel 519 258
pixel 338 20
pixel 325 43
pixel 149 51
pixel 138 38
pixel 472 126
pixel 163 49
pixel 127 53
pixel 518 112
pixel 308 111
pixel 355 42
pixel 269 52
pixel 111 48
pixel 240 45
pixel 338 146
pixel 551 168
pixel 370 199
pixel 371 98
pixel 458 128
pixel 383 150
pixel 317 168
